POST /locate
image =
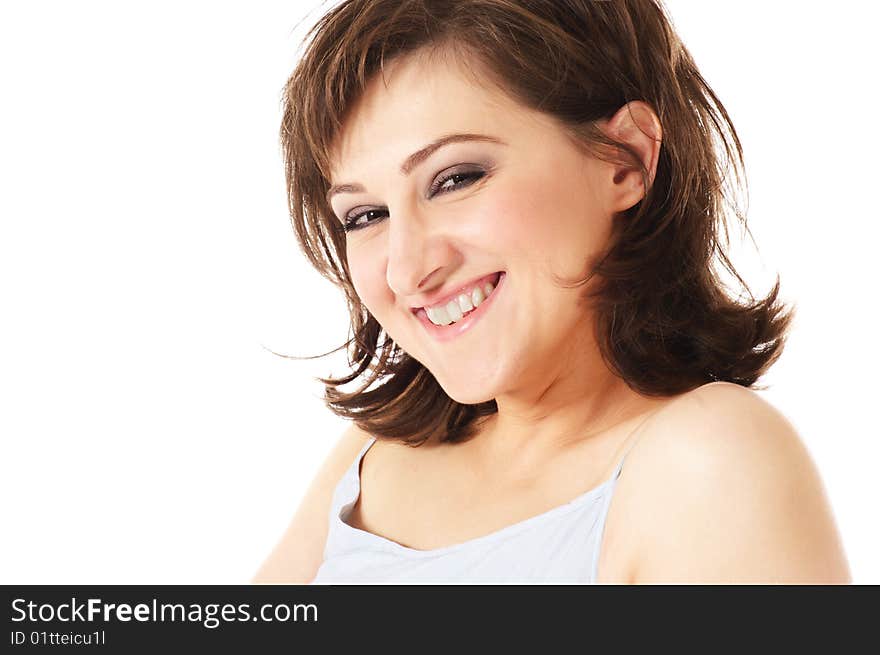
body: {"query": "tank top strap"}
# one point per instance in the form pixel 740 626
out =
pixel 348 487
pixel 357 462
pixel 633 440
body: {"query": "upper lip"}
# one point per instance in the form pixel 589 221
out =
pixel 443 296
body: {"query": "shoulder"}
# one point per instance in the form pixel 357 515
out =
pixel 722 490
pixel 298 554
pixel 718 426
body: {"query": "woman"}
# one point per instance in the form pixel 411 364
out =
pixel 522 201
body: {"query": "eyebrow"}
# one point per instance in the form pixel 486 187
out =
pixel 417 158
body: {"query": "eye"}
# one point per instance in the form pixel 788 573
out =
pixel 352 222
pixel 440 184
pixel 459 179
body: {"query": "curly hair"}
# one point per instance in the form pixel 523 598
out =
pixel 664 320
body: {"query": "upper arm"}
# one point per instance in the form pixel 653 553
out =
pixel 297 556
pixel 735 498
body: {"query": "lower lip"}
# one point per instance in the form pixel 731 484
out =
pixel 453 330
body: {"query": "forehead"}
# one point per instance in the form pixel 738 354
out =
pixel 418 99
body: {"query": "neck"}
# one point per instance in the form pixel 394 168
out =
pixel 572 402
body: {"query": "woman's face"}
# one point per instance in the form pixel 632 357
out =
pixel 520 200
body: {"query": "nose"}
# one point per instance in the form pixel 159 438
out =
pixel 417 255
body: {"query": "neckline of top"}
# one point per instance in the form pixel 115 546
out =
pixel 352 475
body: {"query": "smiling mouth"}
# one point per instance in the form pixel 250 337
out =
pixel 449 330
pixel 461 305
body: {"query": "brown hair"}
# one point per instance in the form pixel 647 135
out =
pixel 664 321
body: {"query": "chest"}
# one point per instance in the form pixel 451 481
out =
pixel 428 503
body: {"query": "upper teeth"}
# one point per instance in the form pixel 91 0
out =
pixel 459 306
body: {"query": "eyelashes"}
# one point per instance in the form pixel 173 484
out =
pixel 459 179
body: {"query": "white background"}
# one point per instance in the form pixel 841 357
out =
pixel 147 267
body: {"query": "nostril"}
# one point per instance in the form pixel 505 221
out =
pixel 426 278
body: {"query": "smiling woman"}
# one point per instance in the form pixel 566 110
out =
pixel 523 201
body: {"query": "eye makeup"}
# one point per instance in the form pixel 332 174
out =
pixel 461 176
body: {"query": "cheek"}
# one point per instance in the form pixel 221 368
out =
pixel 506 220
pixel 368 278
pixel 551 221
pixel 532 216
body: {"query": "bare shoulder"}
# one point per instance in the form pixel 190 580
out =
pixel 299 552
pixel 721 489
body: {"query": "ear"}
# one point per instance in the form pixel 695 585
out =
pixel 637 125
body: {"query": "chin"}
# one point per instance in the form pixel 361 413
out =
pixel 468 393
pixel 470 398
pixel 466 387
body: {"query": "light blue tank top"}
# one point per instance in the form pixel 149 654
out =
pixel 560 546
